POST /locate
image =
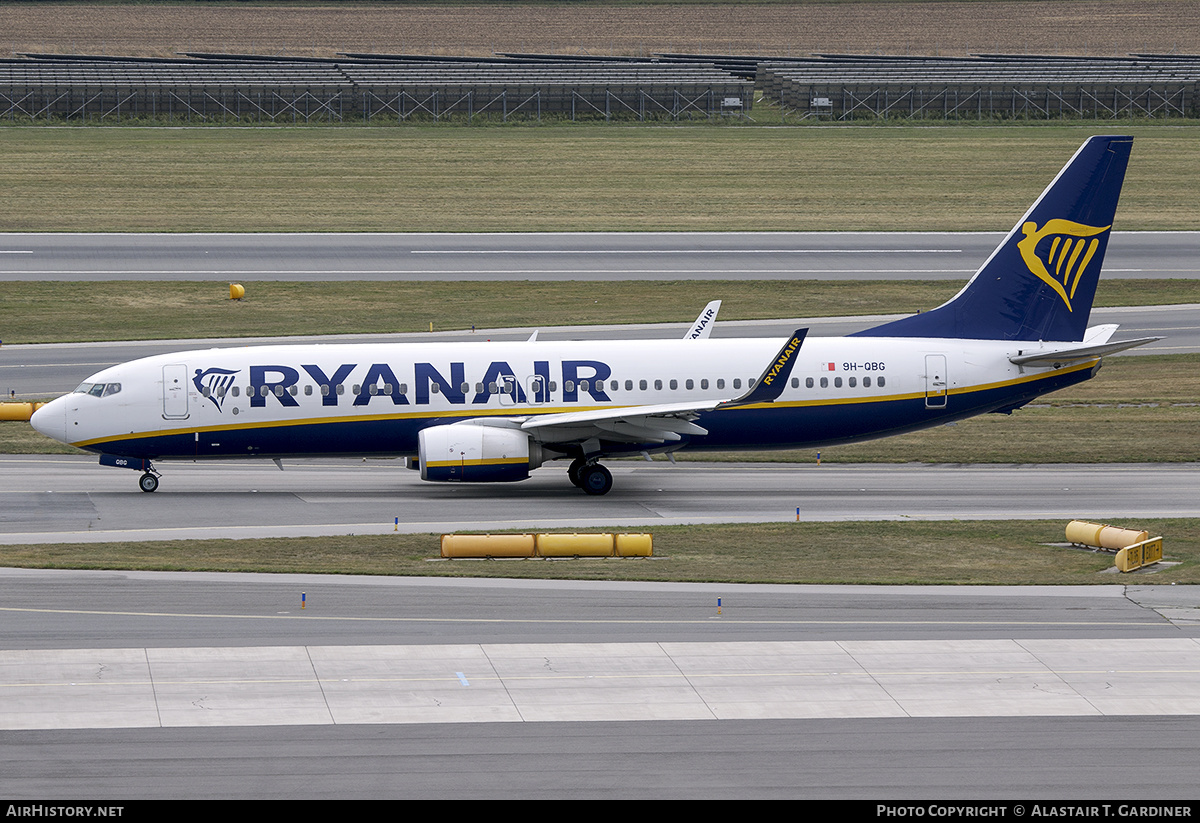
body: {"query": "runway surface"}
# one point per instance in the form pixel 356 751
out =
pixel 566 256
pixel 120 685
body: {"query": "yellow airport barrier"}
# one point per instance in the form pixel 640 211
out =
pixel 1139 554
pixel 488 545
pixel 1103 536
pixel 575 545
pixel 634 545
pixel 18 411
pixel 236 291
pixel 547 545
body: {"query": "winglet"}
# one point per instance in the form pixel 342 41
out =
pixel 704 323
pixel 772 382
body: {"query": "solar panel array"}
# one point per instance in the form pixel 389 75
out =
pixel 984 87
pixel 227 87
pixel 213 87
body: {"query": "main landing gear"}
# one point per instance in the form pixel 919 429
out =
pixel 590 476
pixel 148 482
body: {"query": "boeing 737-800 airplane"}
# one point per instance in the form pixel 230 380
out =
pixel 495 411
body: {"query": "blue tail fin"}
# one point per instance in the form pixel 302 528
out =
pixel 1039 283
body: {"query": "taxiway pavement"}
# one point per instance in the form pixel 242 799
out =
pixel 47 499
pixel 142 684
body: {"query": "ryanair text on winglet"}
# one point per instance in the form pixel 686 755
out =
pixel 792 347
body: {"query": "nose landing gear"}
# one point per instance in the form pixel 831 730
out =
pixel 148 482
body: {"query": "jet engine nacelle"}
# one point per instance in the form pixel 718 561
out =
pixel 474 453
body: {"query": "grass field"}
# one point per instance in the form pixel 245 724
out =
pixel 570 178
pixel 954 552
pixel 632 27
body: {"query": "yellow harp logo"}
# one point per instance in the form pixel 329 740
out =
pixel 1070 252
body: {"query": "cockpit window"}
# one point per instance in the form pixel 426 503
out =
pixel 98 389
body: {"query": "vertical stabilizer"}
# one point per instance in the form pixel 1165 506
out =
pixel 1039 283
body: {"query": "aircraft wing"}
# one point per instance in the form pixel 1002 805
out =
pixel 1094 344
pixel 663 422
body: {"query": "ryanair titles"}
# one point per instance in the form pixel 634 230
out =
pixel 784 358
pixel 358 385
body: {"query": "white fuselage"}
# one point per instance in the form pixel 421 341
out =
pixel 374 398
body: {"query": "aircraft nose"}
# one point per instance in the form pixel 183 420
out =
pixel 51 420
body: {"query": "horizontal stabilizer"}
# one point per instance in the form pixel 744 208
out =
pixel 1061 357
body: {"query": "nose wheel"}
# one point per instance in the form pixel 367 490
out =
pixel 148 482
